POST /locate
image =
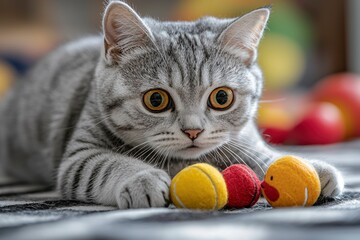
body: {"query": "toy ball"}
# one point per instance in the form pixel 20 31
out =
pixel 343 90
pixel 291 181
pixel 199 186
pixel 282 61
pixel 243 186
pixel 321 124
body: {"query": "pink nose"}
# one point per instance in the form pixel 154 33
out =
pixel 193 133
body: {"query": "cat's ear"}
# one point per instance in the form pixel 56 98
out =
pixel 123 30
pixel 242 36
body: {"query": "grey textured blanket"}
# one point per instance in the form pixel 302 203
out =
pixel 34 212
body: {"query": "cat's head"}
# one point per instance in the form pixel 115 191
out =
pixel 181 88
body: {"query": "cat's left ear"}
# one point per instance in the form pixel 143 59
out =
pixel 242 36
pixel 124 31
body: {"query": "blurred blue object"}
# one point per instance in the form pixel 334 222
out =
pixel 19 63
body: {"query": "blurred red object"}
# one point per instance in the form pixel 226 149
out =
pixel 322 124
pixel 277 116
pixel 343 90
pixel 276 135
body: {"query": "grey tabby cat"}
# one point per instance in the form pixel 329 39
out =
pixel 110 119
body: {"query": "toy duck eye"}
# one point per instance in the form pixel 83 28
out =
pixel 157 100
pixel 271 178
pixel 221 98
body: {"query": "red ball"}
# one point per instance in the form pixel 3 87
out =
pixel 275 135
pixel 322 124
pixel 343 90
pixel 243 186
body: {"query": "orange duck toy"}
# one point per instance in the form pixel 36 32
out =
pixel 291 182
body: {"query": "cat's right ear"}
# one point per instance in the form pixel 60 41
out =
pixel 242 36
pixel 123 31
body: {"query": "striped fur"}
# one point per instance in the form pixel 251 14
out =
pixel 77 119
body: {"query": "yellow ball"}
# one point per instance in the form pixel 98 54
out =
pixel 275 116
pixel 291 181
pixel 199 186
pixel 281 60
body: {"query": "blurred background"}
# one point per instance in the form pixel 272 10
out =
pixel 307 41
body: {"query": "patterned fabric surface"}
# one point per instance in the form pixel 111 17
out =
pixel 34 212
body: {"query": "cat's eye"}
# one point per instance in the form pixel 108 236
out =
pixel 221 98
pixel 157 100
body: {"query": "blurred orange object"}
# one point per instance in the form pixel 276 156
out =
pixel 343 90
pixel 275 122
pixel 7 75
pixel 31 41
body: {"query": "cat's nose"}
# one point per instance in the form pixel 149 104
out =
pixel 192 133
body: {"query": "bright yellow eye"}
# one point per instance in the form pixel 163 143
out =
pixel 157 100
pixel 221 98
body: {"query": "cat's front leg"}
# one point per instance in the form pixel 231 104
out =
pixel 95 174
pixel 147 188
pixel 332 182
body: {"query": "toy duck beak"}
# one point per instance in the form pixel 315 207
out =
pixel 270 192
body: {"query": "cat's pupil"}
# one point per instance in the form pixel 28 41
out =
pixel 221 97
pixel 156 99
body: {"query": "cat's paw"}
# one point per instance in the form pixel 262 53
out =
pixel 332 182
pixel 148 188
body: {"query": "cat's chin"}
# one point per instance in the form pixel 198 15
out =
pixel 191 153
